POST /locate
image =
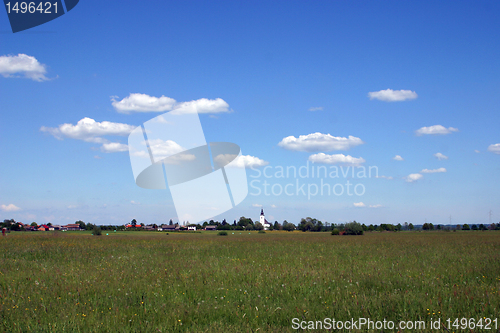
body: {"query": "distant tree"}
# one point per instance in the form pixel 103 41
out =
pixel 133 222
pixel 465 227
pixel 458 227
pixel 405 226
pixel 371 227
pixel 398 227
pixel 170 222
pixel 482 227
pixel 276 226
pixel 365 228
pixel 224 222
pixel 474 227
pixel 426 226
pixel 81 224
pixel 335 232
pixel 438 227
pixel 410 226
pixel 244 221
pixel 258 226
pixel 353 228
pixel 288 226
pixel 33 224
pixel 249 227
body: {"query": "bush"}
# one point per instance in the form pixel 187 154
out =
pixel 262 232
pixel 335 232
pixel 353 228
pixel 222 233
pixel 96 231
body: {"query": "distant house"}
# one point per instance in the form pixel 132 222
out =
pixel 71 227
pixel 168 227
pixel 211 227
pixel 192 227
pixel 43 228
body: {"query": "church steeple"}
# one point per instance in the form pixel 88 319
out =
pixel 262 212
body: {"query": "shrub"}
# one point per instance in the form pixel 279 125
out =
pixel 262 232
pixel 222 233
pixel 335 232
pixel 96 231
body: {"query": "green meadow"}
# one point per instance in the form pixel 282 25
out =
pixel 243 282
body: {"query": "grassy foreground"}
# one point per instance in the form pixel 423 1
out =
pixel 153 282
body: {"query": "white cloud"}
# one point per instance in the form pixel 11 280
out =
pixel 398 158
pixel 319 142
pixel 273 206
pixel 242 161
pixel 9 208
pixel 144 103
pixel 134 202
pixel 413 177
pixel 390 95
pixel 256 205
pixel 22 64
pixel 318 108
pixel 375 206
pixel 435 129
pixel 359 204
pixel 440 156
pixel 384 177
pixel 494 148
pixel 433 170
pixel 162 149
pixel 336 159
pixel 97 157
pixel 476 151
pixel 114 147
pixel 87 129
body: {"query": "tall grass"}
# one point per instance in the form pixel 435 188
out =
pixel 152 282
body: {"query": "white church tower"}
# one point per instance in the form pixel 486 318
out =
pixel 263 220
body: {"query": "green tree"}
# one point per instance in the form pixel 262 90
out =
pixel 353 228
pixel 258 226
pixel 465 227
pixel 410 226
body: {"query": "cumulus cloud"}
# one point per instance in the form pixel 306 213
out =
pixel 413 177
pixel 336 159
pixel 440 156
pixel 375 206
pixel 435 129
pixel 494 148
pixel 273 206
pixel 22 65
pixel 242 161
pixel 164 148
pixel 398 158
pixel 384 177
pixel 359 204
pixel 87 129
pixel 433 170
pixel 319 142
pixel 113 147
pixel 317 108
pixel 9 208
pixel 390 95
pixel 144 103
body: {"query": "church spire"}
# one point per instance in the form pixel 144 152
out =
pixel 262 212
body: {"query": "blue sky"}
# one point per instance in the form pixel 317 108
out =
pixel 262 74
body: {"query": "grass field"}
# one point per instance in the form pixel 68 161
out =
pixel 243 282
